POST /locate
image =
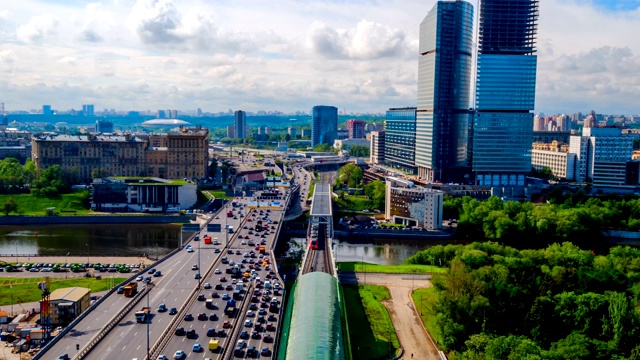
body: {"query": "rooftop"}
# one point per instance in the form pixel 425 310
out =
pixel 69 294
pixel 321 204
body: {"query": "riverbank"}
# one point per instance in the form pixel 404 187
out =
pixel 94 219
pixel 48 259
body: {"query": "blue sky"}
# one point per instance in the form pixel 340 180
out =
pixel 286 55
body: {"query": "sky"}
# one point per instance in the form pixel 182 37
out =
pixel 288 55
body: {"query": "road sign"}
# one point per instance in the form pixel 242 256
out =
pixel 191 227
pixel 214 227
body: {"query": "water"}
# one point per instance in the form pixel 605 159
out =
pixel 132 240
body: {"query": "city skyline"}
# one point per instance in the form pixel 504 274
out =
pixel 357 55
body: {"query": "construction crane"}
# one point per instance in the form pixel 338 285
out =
pixel 45 308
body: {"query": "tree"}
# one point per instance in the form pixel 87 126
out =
pixel 359 151
pixel 213 168
pixel 350 174
pixel 375 190
pixel 99 173
pixel 9 206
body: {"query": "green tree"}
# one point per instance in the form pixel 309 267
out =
pixel 9 206
pixel 213 168
pixel 99 173
pixel 359 151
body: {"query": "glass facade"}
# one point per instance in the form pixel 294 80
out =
pixel 240 124
pixel 400 137
pixel 444 81
pixel 505 92
pixel 324 126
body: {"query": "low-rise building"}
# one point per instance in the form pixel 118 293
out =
pixel 413 206
pixel 67 303
pixel 346 144
pixel 142 194
pixel 556 157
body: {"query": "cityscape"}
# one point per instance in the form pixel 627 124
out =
pixel 496 143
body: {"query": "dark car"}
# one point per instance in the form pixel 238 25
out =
pixel 202 316
pixel 251 351
pixel 173 311
pixel 255 335
pixel 162 308
pixel 179 331
pixel 253 307
pixel 244 334
pixel 201 297
pixel 211 332
pixel 215 295
pixel 270 327
pixel 191 334
pixel 188 317
pixel 238 352
pixel 265 351
pixel 271 317
pixel 267 338
pixel 214 317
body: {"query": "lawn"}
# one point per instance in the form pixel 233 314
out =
pixel 358 266
pixel 425 299
pixel 25 290
pixel 220 194
pixel 65 204
pixel 370 328
pixel 354 203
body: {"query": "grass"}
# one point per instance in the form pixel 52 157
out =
pixel 220 194
pixel 354 203
pixel 65 204
pixel 370 328
pixel 424 300
pixel 359 266
pixel 312 186
pixel 388 224
pixel 26 290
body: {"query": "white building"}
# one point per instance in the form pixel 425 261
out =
pixel 346 144
pixel 376 152
pixel 555 157
pixel 601 155
pixel 414 206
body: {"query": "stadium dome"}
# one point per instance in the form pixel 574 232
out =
pixel 165 122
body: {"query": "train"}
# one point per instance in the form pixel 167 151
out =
pixel 313 245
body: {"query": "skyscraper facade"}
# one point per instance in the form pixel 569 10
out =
pixel 355 128
pixel 444 83
pixel 324 125
pixel 240 122
pixel 88 110
pixel 400 139
pixel 505 91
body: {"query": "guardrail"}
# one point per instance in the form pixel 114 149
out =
pixel 112 323
pixel 227 351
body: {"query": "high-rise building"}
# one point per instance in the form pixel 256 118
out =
pixel 444 82
pixel 324 125
pixel 240 123
pixel 291 131
pixel 376 147
pixel 400 139
pixel 505 91
pixel 231 131
pixel 355 129
pixel 88 110
pixel 46 110
pixel 104 126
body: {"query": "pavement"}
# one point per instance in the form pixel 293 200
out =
pixel 411 333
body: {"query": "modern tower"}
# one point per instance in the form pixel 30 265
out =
pixel 505 91
pixel 88 110
pixel 444 84
pixel 400 139
pixel 240 124
pixel 324 125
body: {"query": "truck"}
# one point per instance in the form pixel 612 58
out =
pixel 143 315
pixel 262 249
pixel 207 239
pixel 130 289
pixel 230 308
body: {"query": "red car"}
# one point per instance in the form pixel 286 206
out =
pixel 226 325
pixel 223 279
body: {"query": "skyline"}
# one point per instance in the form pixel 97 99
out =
pixel 361 56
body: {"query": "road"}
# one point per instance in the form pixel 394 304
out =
pixel 411 334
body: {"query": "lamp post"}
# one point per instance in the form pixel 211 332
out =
pixel 11 292
pixel 156 251
pixel 148 321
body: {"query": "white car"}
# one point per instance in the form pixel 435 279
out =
pixel 139 278
pixel 190 250
pixel 217 271
pixel 179 355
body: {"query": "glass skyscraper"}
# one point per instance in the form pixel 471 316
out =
pixel 324 125
pixel 400 139
pixel 444 83
pixel 240 124
pixel 505 91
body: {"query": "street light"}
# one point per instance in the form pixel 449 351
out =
pixel 148 320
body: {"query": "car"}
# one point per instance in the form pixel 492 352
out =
pixel 147 279
pixel 256 335
pixel 244 335
pixel 269 327
pixel 228 287
pixel 201 297
pixel 238 352
pixel 202 316
pixel 190 250
pixel 226 325
pixel 211 332
pixel 179 331
pixel 215 295
pixel 207 286
pixel 197 347
pixel 251 351
pixel 162 308
pixel 191 334
pixel 213 317
pixel 262 312
pixel 267 338
pixel 163 357
pixel 217 271
pixel 139 278
pixel 63 357
pixel 194 267
pixel 179 355
pixel 216 250
pixel 253 307
pixel 250 313
pixel 151 271
pixel 248 323
pixel 188 317
pixel 223 279
pixel 225 296
pixel 271 317
pixel 265 351
pixel 173 311
pixel 197 276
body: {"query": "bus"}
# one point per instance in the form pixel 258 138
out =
pixel 314 245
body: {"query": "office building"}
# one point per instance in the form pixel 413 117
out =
pixel 324 125
pixel 556 157
pixel 444 82
pixel 413 206
pixel 355 129
pixel 505 92
pixel 88 110
pixel 46 110
pixel 601 156
pixel 104 126
pixel 240 124
pixel 400 139
pixel 377 147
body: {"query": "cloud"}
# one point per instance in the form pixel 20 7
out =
pixel 90 35
pixel 38 29
pixel 368 40
pixel 156 21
